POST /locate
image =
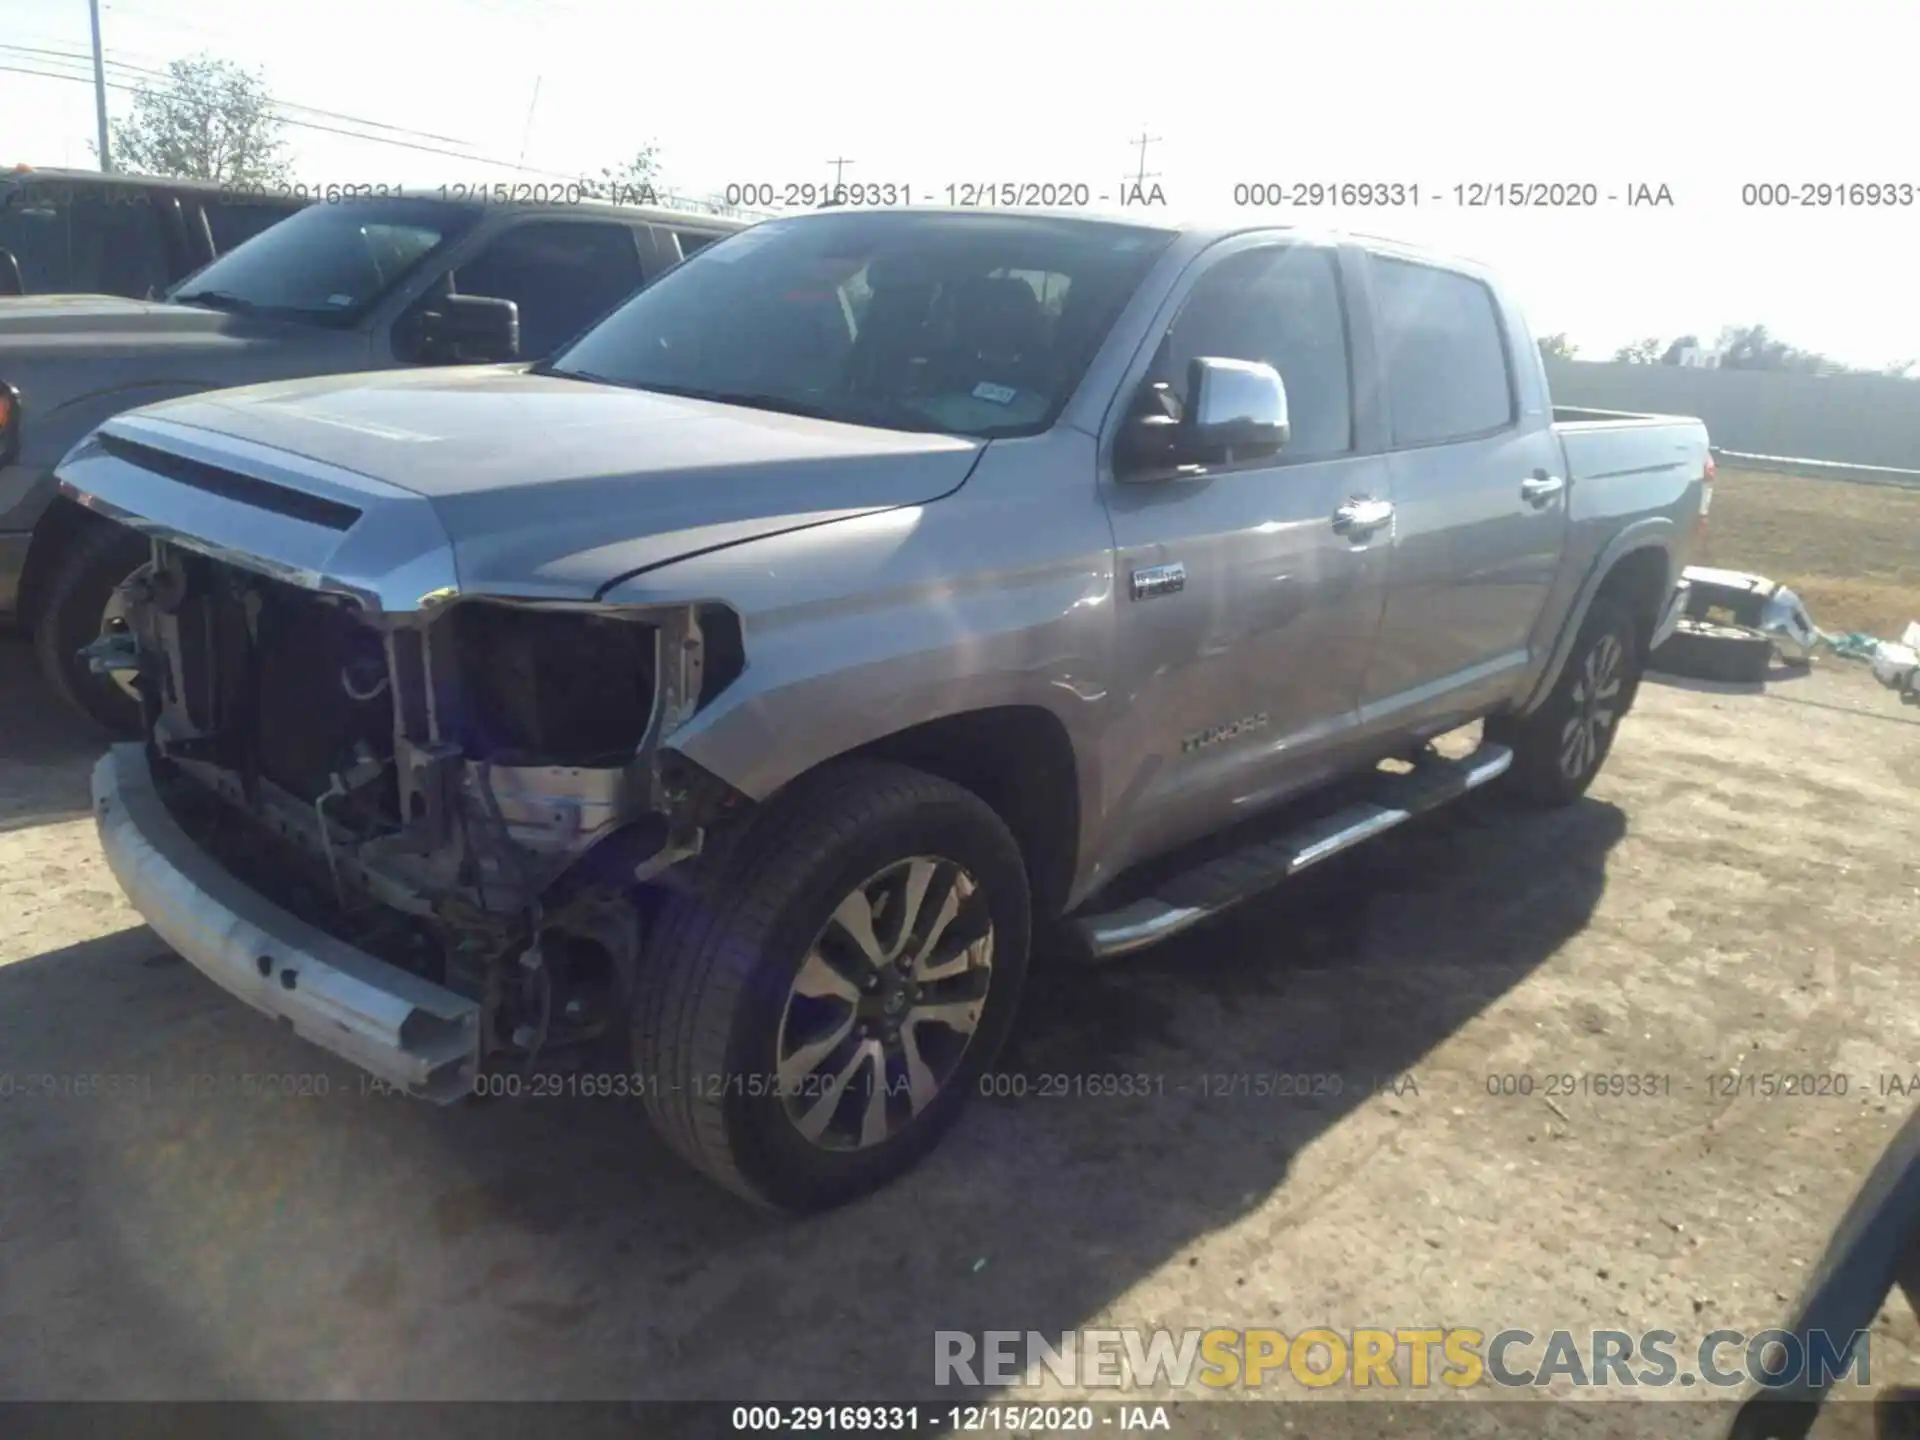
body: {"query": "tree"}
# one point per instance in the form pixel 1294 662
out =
pixel 1678 348
pixel 209 120
pixel 1641 352
pixel 633 182
pixel 1557 347
pixel 1750 347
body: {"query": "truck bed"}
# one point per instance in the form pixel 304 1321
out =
pixel 1602 443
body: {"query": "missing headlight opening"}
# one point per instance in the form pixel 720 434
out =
pixel 472 790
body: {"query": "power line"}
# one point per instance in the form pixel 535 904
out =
pixel 77 57
pixel 327 129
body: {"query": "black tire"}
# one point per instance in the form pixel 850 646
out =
pixel 69 617
pixel 730 942
pixel 1550 765
pixel 1705 651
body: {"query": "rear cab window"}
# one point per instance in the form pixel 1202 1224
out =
pixel 88 239
pixel 1444 351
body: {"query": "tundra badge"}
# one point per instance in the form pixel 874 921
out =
pixel 1158 580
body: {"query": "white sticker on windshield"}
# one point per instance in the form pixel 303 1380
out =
pixel 998 394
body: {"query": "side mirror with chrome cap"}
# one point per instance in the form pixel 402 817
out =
pixel 1236 412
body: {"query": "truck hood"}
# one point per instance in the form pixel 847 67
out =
pixel 546 486
pixel 110 324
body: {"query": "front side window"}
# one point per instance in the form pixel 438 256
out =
pixel 327 264
pixel 1444 352
pixel 978 325
pixel 561 275
pixel 1280 305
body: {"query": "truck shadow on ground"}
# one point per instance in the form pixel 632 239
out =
pixel 182 1227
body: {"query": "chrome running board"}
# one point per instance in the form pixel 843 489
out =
pixel 1222 883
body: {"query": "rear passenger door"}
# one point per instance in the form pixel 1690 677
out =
pixel 563 274
pixel 1475 548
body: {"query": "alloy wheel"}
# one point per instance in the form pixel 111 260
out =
pixel 1596 705
pixel 885 1004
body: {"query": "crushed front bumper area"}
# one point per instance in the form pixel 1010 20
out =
pixel 404 1030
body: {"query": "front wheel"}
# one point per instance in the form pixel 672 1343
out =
pixel 821 996
pixel 1560 747
pixel 82 604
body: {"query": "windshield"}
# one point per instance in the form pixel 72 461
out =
pixel 326 263
pixel 978 325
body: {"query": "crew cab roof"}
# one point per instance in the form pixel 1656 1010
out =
pixel 1203 232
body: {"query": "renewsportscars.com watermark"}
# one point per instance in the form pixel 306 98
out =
pixel 1397 1357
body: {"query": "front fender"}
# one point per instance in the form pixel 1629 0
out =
pixel 825 676
pixel 1000 596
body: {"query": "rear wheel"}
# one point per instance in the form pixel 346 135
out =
pixel 1560 747
pixel 79 605
pixel 818 1002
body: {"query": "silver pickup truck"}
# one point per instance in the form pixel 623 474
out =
pixel 742 689
pixel 362 284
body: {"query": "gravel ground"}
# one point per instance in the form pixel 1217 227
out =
pixel 1739 893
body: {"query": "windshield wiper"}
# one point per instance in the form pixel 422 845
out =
pixel 217 300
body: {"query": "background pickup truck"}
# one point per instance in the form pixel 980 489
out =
pixel 354 285
pixel 744 687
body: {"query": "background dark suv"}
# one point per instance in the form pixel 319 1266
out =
pixel 81 232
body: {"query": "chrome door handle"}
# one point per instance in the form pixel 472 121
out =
pixel 1540 487
pixel 1361 516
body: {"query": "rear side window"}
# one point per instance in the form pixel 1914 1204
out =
pixel 563 276
pixel 1445 353
pixel 692 241
pixel 118 245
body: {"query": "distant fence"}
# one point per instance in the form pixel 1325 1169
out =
pixel 1864 422
pixel 1819 469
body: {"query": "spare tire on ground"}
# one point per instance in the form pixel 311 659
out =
pixel 1705 651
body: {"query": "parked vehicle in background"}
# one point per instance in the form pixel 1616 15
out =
pixel 79 232
pixel 354 285
pixel 749 682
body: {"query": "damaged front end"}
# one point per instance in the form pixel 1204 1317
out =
pixel 468 791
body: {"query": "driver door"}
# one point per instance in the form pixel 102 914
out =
pixel 1246 612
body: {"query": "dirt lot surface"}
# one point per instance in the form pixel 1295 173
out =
pixel 1848 550
pixel 1740 893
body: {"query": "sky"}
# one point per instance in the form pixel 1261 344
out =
pixel 1699 96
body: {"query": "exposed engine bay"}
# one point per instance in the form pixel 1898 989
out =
pixel 472 791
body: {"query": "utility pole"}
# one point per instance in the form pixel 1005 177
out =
pixel 1142 143
pixel 526 132
pixel 99 87
pixel 839 167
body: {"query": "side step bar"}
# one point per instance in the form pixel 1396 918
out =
pixel 1222 883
